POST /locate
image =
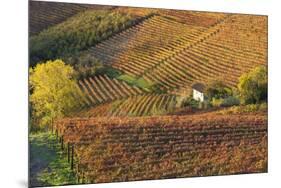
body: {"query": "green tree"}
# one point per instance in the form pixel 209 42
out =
pixel 252 86
pixel 218 90
pixel 53 91
pixel 86 66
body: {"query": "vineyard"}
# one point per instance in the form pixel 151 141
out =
pixel 175 55
pixel 112 97
pixel 194 18
pixel 170 49
pixel 128 109
pixel 79 32
pixel 140 105
pixel 126 149
pixel 46 14
pixel 101 89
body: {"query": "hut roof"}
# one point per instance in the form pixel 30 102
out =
pixel 199 87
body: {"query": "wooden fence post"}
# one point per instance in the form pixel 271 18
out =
pixel 72 157
pixel 77 173
pixel 68 152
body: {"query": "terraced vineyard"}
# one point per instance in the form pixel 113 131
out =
pixel 101 89
pixel 111 97
pixel 46 14
pixel 194 18
pixel 126 149
pixel 79 32
pixel 174 55
pixel 132 71
pixel 219 55
pixel 144 46
pixel 139 105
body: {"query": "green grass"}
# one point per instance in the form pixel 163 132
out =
pixel 127 78
pixel 143 83
pixel 139 82
pixel 48 164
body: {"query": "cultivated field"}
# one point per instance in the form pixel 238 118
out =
pixel 45 14
pixel 126 149
pixel 174 55
pixel 127 106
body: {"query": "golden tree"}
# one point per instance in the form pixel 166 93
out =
pixel 53 91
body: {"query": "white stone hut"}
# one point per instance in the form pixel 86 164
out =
pixel 198 92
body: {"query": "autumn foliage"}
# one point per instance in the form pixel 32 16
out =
pixel 125 149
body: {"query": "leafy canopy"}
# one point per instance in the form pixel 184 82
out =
pixel 252 86
pixel 54 91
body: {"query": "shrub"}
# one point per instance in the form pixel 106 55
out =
pixel 217 102
pixel 225 102
pixel 230 101
pixel 190 102
pixel 250 108
pixel 217 89
pixel 263 106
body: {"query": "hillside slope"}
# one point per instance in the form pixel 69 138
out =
pixel 174 55
pixel 43 15
pixel 79 32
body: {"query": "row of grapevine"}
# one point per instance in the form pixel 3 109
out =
pixel 219 56
pixel 140 105
pixel 126 149
pixel 131 56
pixel 102 89
pixel 194 18
pixel 145 45
pixel 245 33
